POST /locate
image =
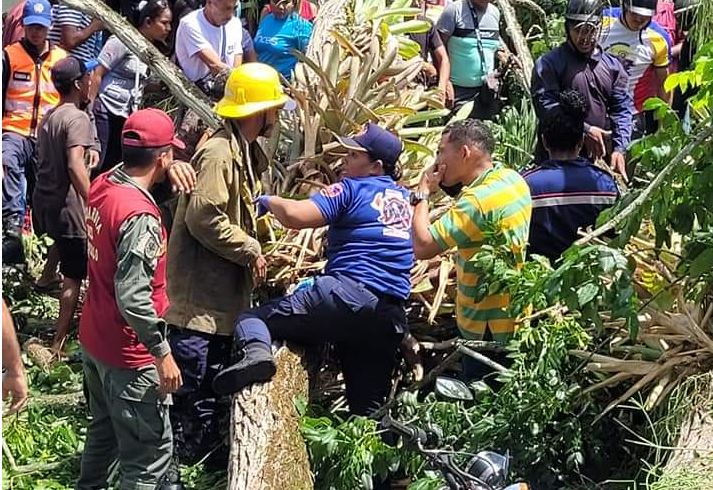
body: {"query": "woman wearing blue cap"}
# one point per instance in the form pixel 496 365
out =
pixel 358 303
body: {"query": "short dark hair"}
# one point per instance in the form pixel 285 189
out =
pixel 563 126
pixel 137 157
pixel 65 88
pixel 471 132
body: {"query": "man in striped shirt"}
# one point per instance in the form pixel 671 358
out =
pixel 490 197
pixel 77 33
pixel 568 191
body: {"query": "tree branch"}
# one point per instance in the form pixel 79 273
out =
pixel 646 194
pixel 176 81
pixel 514 30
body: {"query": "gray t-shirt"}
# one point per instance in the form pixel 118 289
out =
pixel 120 88
pixel 471 50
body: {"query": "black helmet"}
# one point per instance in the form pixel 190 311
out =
pixel 584 11
pixel 490 467
pixel 646 8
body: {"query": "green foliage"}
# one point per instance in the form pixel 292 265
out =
pixel 348 453
pixel 516 134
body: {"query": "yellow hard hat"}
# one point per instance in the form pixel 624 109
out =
pixel 251 88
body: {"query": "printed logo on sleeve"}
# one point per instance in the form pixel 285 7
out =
pixel 332 191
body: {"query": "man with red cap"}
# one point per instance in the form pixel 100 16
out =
pixel 129 370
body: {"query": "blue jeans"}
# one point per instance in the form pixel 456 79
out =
pixel 366 328
pixel 18 156
pixel 109 128
pixel 198 416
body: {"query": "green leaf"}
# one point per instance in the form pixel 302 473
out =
pixel 702 264
pixel 587 293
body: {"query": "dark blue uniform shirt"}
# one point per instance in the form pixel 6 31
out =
pixel 566 196
pixel 369 237
pixel 602 80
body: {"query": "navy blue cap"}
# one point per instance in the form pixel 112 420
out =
pixel 71 68
pixel 380 143
pixel 37 12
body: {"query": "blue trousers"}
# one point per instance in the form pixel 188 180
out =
pixel 18 156
pixel 199 417
pixel 365 327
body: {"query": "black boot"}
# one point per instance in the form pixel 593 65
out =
pixel 256 366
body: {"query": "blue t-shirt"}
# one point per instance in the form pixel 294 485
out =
pixel 276 38
pixel 369 237
pixel 566 196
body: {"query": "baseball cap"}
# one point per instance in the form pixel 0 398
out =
pixel 37 12
pixel 378 142
pixel 150 128
pixel 70 69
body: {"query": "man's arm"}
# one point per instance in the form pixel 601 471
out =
pixel 14 381
pixel 446 24
pixel 295 214
pixel 5 78
pixel 138 249
pixel 72 36
pixel 211 59
pixel 545 86
pixel 207 220
pixel 621 109
pixel 424 244
pixel 78 174
pixel 661 74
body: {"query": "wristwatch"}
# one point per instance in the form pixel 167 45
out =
pixel 418 196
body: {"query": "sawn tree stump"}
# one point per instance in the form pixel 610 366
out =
pixel 267 450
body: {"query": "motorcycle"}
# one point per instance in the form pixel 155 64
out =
pixel 486 470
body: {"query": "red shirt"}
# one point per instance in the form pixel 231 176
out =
pixel 103 331
pixel 12 29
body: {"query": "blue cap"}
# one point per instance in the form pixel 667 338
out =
pixel 380 143
pixel 37 12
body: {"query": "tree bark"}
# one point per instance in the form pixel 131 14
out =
pixel 518 39
pixel 267 450
pixel 178 84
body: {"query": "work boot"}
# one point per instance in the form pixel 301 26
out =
pixel 256 366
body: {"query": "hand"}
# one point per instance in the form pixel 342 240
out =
pixel 594 141
pixel 96 25
pixel 430 179
pixel 618 164
pixel 57 346
pixel 410 350
pixel 182 177
pixel 169 375
pixel 259 268
pixel 450 95
pixel 262 204
pixel 93 159
pixel 428 69
pixel 14 385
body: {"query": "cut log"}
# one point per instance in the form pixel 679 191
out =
pixel 518 39
pixel 169 73
pixel 267 450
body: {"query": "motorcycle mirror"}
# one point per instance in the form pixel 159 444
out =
pixel 453 389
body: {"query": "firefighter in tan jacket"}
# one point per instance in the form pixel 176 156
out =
pixel 214 259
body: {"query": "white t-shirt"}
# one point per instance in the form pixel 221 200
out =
pixel 195 34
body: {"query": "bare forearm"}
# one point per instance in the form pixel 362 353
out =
pixel 11 359
pixel 212 60
pixel 79 177
pixel 295 214
pixel 422 239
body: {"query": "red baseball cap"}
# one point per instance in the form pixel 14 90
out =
pixel 150 128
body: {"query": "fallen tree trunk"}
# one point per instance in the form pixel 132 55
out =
pixel 518 39
pixel 183 89
pixel 267 450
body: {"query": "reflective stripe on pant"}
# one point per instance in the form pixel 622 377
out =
pixel 199 418
pixel 18 153
pixel 366 329
pixel 129 423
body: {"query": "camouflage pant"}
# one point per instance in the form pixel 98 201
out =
pixel 130 423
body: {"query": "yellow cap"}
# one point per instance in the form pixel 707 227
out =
pixel 251 88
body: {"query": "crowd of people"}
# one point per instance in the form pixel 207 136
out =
pixel 167 329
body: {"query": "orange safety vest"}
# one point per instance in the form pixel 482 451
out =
pixel 30 92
